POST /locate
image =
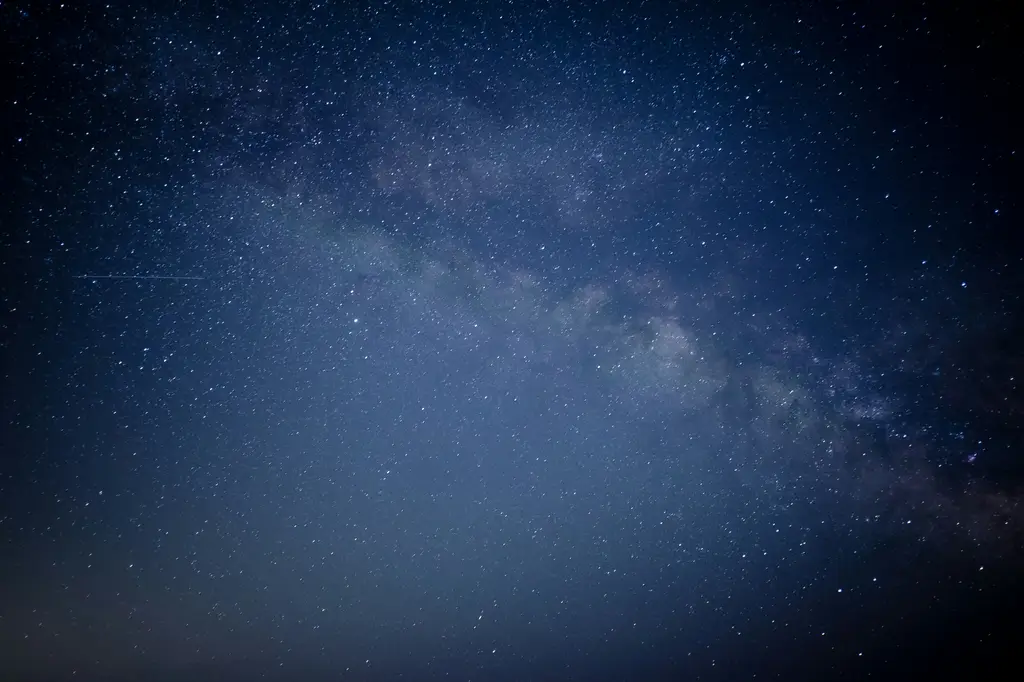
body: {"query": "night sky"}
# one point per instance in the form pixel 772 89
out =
pixel 513 341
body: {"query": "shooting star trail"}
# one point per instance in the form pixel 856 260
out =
pixel 175 277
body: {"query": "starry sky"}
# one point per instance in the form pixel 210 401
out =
pixel 513 341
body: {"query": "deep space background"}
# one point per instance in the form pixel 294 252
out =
pixel 510 341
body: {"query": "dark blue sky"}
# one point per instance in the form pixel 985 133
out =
pixel 574 342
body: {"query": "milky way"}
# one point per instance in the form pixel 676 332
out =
pixel 544 344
